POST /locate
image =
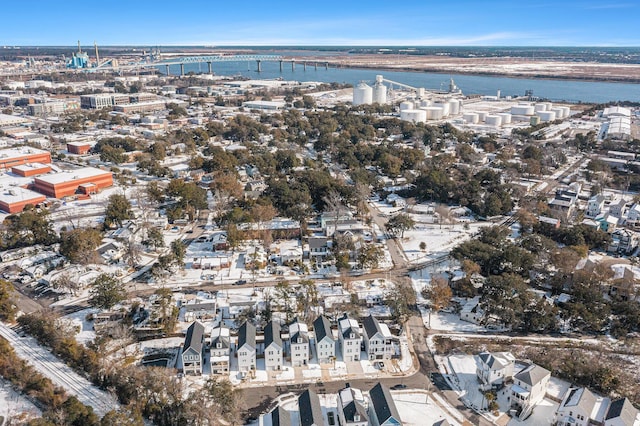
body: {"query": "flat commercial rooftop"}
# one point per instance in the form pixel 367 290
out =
pixel 20 151
pixel 16 194
pixel 69 176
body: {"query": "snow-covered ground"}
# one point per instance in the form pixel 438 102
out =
pixel 86 333
pixel 58 372
pixel 418 409
pixel 15 408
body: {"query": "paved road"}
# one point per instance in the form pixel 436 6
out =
pixel 58 372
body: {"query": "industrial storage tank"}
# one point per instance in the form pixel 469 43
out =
pixel 493 120
pixel 546 115
pixel 413 115
pixel 543 106
pixel 506 117
pixel 433 112
pixel 406 105
pixel 454 107
pixel 522 110
pixel 362 94
pixel 470 117
pixel 425 103
pixel 482 116
pixel 566 111
pixel 446 108
pixel 379 93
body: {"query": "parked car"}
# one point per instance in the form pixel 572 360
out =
pixel 399 386
pixel 240 282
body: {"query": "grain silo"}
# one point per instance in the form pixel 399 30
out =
pixel 362 94
pixel 379 91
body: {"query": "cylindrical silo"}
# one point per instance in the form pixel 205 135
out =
pixel 454 107
pixel 425 103
pixel 546 115
pixel 522 110
pixel 482 116
pixel 379 93
pixel 540 107
pixel 470 117
pixel 493 120
pixel 406 105
pixel 566 111
pixel 413 115
pixel 433 112
pixel 362 94
pixel 445 107
pixel 506 117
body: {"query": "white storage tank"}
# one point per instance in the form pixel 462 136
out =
pixel 540 107
pixel 446 107
pixel 505 116
pixel 379 93
pixel 566 111
pixel 493 120
pixel 482 116
pixel 433 113
pixel 406 105
pixel 413 115
pixel 546 115
pixel 425 103
pixel 522 110
pixel 362 94
pixel 454 107
pixel 470 117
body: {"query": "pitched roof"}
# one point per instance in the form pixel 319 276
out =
pixel 220 335
pixel 623 409
pixel 280 417
pixel 581 398
pixel 532 375
pixel 297 331
pixel 349 326
pixel 351 406
pixel 371 326
pixel 310 409
pixel 272 334
pixel 322 328
pixel 247 335
pixel 383 404
pixel 195 338
pixel 496 361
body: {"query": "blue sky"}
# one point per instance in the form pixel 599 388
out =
pixel 323 22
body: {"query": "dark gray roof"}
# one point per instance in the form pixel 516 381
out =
pixel 272 334
pixel 322 328
pixel 195 338
pixel 310 409
pixel 247 335
pixel 317 242
pixel 532 375
pixel 280 417
pixel 371 326
pixel 354 407
pixel 194 307
pixel 383 404
pixel 346 333
pixel 217 337
pixel 623 409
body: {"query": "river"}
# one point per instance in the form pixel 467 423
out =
pixel 555 90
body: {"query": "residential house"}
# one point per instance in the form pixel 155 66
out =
pixel 193 349
pixel 319 248
pixel 581 407
pixel 299 343
pixel 564 203
pixel 351 408
pixel 246 348
pixel 471 311
pixel 595 205
pixel 273 348
pixel 633 214
pixel 310 409
pixel 382 409
pixel 219 349
pixel 378 342
pixel 325 343
pixel 350 337
pixel 277 417
pixel 608 222
pixel 493 369
pixel 621 412
pixel 623 241
pixel 528 389
pixel 618 208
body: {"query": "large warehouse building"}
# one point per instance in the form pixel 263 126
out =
pixel 13 199
pixel 22 155
pixel 86 180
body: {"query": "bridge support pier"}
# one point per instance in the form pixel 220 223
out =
pixel 304 65
pixel 182 70
pixel 293 65
pixel 316 66
pixel 259 62
pixel 281 65
pixel 166 67
pixel 326 65
pixel 210 68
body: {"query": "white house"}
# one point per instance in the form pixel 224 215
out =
pixel 581 407
pixel 352 408
pixel 471 311
pixel 193 349
pixel 246 349
pixel 633 214
pixel 493 369
pixel 325 343
pixel 378 342
pixel 299 344
pixel 273 349
pixel 350 337
pixel 621 412
pixel 618 208
pixel 528 389
pixel 219 350
pixel 595 205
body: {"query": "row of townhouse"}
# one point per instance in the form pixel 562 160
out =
pixel 375 337
pixel 354 409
